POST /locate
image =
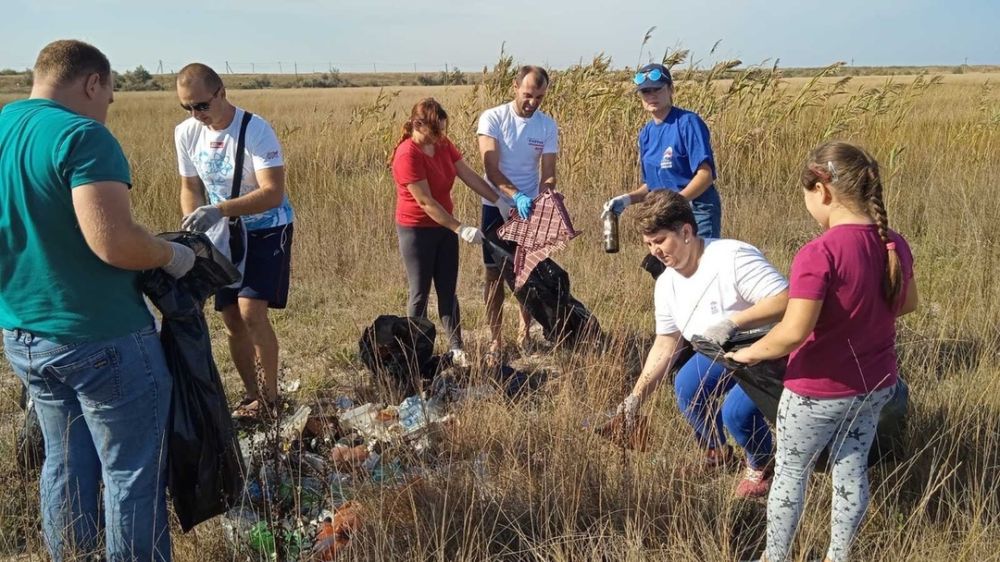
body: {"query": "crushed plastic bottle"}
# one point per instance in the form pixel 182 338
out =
pixel 262 540
pixel 237 524
pixel 293 426
pixel 388 473
pixel 364 420
pixel 416 414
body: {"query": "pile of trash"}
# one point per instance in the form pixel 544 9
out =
pixel 303 473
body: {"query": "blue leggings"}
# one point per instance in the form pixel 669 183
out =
pixel 700 384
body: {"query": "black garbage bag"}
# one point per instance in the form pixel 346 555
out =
pixel 653 266
pixel 399 352
pixel 546 295
pixel 205 473
pixel 30 442
pixel 517 384
pixel 763 384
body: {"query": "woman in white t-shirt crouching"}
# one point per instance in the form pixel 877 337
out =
pixel 711 288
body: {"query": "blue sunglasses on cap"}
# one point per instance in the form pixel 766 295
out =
pixel 652 75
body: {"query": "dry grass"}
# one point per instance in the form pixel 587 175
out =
pixel 544 487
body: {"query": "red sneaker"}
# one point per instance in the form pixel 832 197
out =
pixel 755 483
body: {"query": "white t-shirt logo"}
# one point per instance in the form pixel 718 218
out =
pixel 213 165
pixel 667 161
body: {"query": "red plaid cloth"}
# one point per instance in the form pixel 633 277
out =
pixel 546 231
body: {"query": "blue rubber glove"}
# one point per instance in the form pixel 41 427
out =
pixel 523 203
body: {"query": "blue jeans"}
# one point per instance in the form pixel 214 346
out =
pixel 708 213
pixel 103 409
pixel 700 384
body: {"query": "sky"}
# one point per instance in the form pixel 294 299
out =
pixel 430 35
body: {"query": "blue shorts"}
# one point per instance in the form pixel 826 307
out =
pixel 490 218
pixel 268 269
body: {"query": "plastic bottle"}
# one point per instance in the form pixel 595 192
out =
pixel 262 540
pixel 611 233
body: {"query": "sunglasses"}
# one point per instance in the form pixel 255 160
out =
pixel 202 105
pixel 653 75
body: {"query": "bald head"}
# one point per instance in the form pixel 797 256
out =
pixel 199 75
pixel 536 74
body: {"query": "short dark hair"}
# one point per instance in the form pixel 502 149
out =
pixel 664 209
pixel 538 73
pixel 66 60
pixel 198 72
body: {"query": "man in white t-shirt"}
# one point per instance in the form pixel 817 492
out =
pixel 207 156
pixel 710 288
pixel 519 145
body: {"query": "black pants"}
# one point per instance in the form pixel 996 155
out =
pixel 431 254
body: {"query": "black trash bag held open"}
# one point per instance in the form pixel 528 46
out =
pixel 205 472
pixel 400 351
pixel 546 295
pixel 763 383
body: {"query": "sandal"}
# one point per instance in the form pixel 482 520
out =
pixel 493 358
pixel 254 408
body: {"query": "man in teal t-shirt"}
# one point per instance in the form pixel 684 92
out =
pixel 51 284
pixel 75 329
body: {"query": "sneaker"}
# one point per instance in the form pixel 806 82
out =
pixel 459 358
pixel 755 483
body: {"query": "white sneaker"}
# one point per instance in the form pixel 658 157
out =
pixel 459 358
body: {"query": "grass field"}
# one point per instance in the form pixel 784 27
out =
pixel 544 487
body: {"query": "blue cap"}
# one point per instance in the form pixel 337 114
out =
pixel 652 76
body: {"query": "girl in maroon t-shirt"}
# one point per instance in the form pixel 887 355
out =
pixel 424 166
pixel 846 289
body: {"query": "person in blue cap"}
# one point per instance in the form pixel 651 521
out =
pixel 675 152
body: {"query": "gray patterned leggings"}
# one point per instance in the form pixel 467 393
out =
pixel 805 427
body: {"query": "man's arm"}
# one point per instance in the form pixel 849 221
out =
pixel 192 194
pixel 491 163
pixel 269 194
pixel 105 217
pixel 548 176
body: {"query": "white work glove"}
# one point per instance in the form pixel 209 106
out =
pixel 180 262
pixel 629 410
pixel 720 332
pixel 616 205
pixel 470 234
pixel 504 207
pixel 202 218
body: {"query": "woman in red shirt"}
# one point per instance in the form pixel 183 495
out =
pixel 424 166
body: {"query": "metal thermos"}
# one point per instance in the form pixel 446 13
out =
pixel 611 232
